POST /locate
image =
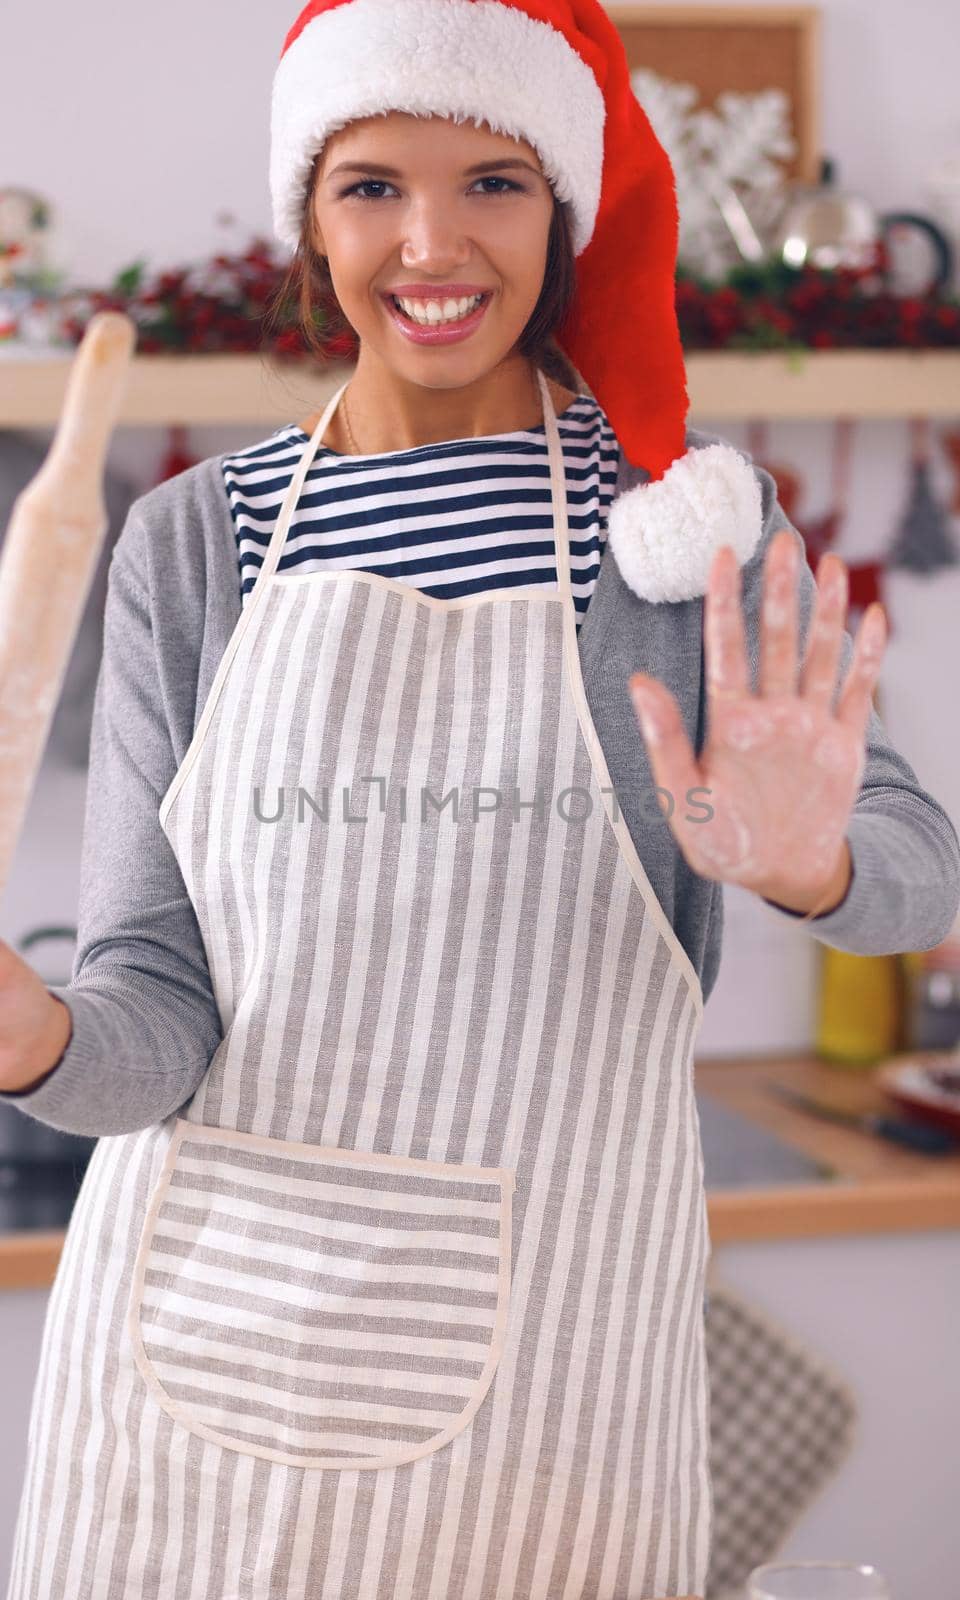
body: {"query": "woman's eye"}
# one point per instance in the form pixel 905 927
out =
pixel 380 183
pixel 505 181
pixel 368 183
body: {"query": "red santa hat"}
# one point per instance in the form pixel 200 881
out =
pixel 554 73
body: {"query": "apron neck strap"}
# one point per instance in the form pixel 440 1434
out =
pixel 279 536
pixel 558 490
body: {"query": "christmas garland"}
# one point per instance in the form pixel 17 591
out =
pixel 223 306
pixel 808 308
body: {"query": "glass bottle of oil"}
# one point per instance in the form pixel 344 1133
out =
pixel 863 1006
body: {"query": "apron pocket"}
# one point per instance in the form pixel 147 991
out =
pixel 317 1306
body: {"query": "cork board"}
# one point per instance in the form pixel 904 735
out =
pixel 744 48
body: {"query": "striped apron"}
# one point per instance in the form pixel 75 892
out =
pixel 406 1303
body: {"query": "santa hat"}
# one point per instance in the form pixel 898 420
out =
pixel 554 73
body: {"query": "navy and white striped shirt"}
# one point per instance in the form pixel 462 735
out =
pixel 456 518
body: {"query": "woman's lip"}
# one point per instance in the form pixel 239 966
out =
pixel 438 291
pixel 440 333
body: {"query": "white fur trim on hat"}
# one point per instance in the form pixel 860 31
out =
pixel 475 60
pixel 664 535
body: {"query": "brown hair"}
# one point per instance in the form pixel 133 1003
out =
pixel 308 288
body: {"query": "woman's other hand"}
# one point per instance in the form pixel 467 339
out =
pixel 35 1026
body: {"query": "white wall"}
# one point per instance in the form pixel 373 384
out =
pixel 141 128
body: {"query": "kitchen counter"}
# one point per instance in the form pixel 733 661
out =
pixel 869 1185
pixel 771 1171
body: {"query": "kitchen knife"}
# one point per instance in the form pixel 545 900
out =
pixel 914 1135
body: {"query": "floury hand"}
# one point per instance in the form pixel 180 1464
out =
pixel 782 768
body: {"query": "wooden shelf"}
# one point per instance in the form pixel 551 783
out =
pixel 257 391
pixel 826 383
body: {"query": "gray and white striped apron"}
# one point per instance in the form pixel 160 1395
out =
pixel 407 1302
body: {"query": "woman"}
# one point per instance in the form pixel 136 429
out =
pixel 389 1280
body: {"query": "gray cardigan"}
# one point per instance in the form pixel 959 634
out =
pixel 145 1020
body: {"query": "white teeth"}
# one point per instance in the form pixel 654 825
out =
pixel 430 312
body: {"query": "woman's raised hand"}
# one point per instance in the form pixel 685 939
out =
pixel 781 768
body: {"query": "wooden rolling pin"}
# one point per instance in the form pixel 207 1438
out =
pixel 48 560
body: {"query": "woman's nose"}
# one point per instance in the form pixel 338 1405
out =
pixel 433 242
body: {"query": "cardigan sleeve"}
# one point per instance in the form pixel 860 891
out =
pixel 145 1020
pixel 904 893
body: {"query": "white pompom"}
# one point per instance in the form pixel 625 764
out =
pixel 664 535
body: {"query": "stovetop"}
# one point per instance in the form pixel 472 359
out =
pixel 739 1154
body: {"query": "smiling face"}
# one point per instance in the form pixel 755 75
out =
pixel 434 223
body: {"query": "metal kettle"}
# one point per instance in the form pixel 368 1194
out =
pixel 827 228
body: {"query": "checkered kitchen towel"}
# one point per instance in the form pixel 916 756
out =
pixel 781 1422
